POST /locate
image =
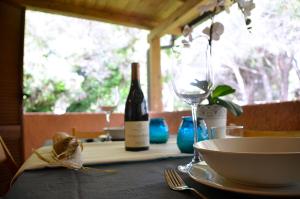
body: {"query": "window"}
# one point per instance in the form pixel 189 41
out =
pixel 263 66
pixel 71 63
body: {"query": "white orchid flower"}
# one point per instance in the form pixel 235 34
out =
pixel 185 43
pixel 227 4
pixel 207 6
pixel 187 30
pixel 246 6
pixel 217 31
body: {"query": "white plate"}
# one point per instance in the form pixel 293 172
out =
pixel 203 174
pixel 116 133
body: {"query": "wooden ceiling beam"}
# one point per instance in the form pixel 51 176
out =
pixel 105 15
pixel 183 15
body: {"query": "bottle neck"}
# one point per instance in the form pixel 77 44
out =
pixel 135 73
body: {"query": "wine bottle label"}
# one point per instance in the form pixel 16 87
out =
pixel 137 134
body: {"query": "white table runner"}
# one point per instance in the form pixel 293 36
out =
pixel 107 152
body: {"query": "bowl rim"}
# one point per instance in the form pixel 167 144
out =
pixel 249 153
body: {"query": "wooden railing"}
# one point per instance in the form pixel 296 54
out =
pixel 39 127
pixel 283 116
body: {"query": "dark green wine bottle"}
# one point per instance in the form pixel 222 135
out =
pixel 136 115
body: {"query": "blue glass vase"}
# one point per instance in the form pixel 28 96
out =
pixel 185 136
pixel 159 131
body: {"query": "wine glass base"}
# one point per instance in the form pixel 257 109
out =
pixel 185 168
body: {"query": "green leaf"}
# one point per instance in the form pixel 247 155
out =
pixel 235 109
pixel 222 90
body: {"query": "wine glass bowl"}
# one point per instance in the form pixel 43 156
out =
pixel 108 104
pixel 191 73
pixel 192 79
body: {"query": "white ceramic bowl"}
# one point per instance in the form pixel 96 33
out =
pixel 259 161
pixel 116 133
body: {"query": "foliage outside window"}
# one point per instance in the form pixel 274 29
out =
pixel 263 66
pixel 71 63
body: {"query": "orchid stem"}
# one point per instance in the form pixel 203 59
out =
pixel 211 29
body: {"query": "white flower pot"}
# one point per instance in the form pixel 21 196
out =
pixel 213 115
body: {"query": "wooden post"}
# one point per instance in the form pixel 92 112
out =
pixel 154 76
pixel 12 20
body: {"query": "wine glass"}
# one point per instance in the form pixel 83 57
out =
pixel 192 79
pixel 108 103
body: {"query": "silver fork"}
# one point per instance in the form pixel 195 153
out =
pixel 176 183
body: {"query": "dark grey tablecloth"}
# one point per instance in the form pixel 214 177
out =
pixel 136 180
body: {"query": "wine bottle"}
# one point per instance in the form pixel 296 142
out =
pixel 136 115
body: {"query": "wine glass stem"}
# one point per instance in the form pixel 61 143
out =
pixel 107 116
pixel 196 158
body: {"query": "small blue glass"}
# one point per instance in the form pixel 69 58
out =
pixel 159 131
pixel 185 136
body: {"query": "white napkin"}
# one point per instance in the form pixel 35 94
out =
pixel 107 152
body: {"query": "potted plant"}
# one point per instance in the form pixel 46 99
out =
pixel 215 112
